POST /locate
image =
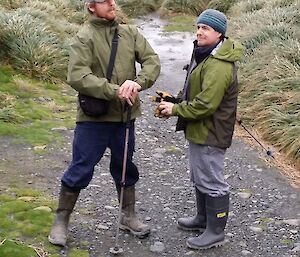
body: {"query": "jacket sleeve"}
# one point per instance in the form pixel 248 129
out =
pixel 80 76
pixel 149 60
pixel 215 82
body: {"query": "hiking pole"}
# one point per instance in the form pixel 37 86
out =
pixel 117 249
pixel 269 152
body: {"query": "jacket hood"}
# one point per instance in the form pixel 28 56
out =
pixel 230 51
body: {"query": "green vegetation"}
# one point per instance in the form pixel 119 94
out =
pixel 181 23
pixel 30 109
pixel 269 75
pixel 25 219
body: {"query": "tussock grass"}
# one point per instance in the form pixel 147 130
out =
pixel 32 47
pixel 195 7
pixel 134 8
pixel 270 73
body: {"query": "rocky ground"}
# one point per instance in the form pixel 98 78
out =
pixel 265 209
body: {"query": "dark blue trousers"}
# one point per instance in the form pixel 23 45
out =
pixel 90 142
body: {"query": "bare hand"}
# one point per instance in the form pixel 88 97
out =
pixel 166 108
pixel 129 91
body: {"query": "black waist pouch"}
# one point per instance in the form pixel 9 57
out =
pixel 96 107
pixel 92 106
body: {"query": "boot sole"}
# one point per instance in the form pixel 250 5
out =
pixel 217 244
pixel 135 233
pixel 190 229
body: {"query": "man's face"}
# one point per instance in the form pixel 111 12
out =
pixel 206 35
pixel 103 9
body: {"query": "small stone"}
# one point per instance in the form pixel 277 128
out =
pixel 26 198
pixel 157 247
pixel 43 208
pixel 296 249
pixel 244 195
pixel 256 229
pixel 292 222
pixel 59 129
pixel 189 253
pixel 245 252
pixel 107 207
pixel 100 226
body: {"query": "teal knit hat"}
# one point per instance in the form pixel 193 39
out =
pixel 215 19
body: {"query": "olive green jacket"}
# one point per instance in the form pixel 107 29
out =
pixel 210 111
pixel 89 57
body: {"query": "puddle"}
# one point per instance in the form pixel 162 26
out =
pixel 173 48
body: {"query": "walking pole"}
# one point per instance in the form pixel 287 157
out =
pixel 117 249
pixel 268 152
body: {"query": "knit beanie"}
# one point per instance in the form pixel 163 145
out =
pixel 215 19
pixel 96 1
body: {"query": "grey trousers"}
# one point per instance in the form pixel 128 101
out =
pixel 207 169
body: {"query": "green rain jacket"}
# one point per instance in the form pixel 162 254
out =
pixel 89 57
pixel 210 112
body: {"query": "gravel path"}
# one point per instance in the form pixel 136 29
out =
pixel 265 209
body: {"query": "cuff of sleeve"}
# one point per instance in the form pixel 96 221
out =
pixel 115 88
pixel 141 83
pixel 174 110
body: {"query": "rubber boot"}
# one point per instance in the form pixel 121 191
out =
pixel 129 218
pixel 197 222
pixel 67 200
pixel 217 209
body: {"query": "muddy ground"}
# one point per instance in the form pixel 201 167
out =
pixel 265 208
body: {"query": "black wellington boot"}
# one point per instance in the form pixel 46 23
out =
pixel 197 222
pixel 67 200
pixel 217 209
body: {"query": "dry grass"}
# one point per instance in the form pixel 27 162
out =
pixel 287 166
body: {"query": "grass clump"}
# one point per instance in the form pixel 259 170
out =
pixel 194 7
pixel 270 73
pixel 135 8
pixel 31 47
pixel 30 109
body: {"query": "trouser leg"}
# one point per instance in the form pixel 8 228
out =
pixel 89 144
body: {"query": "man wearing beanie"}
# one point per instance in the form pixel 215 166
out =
pixel 91 73
pixel 207 115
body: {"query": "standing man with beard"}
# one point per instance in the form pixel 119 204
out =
pixel 208 111
pixel 88 64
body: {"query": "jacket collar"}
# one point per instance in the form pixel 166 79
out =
pixel 100 22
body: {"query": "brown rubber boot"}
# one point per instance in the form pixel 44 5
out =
pixel 67 200
pixel 129 219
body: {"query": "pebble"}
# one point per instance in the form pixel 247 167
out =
pixel 107 207
pixel 100 226
pixel 292 222
pixel 157 247
pixel 43 208
pixel 244 195
pixel 256 229
pixel 246 252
